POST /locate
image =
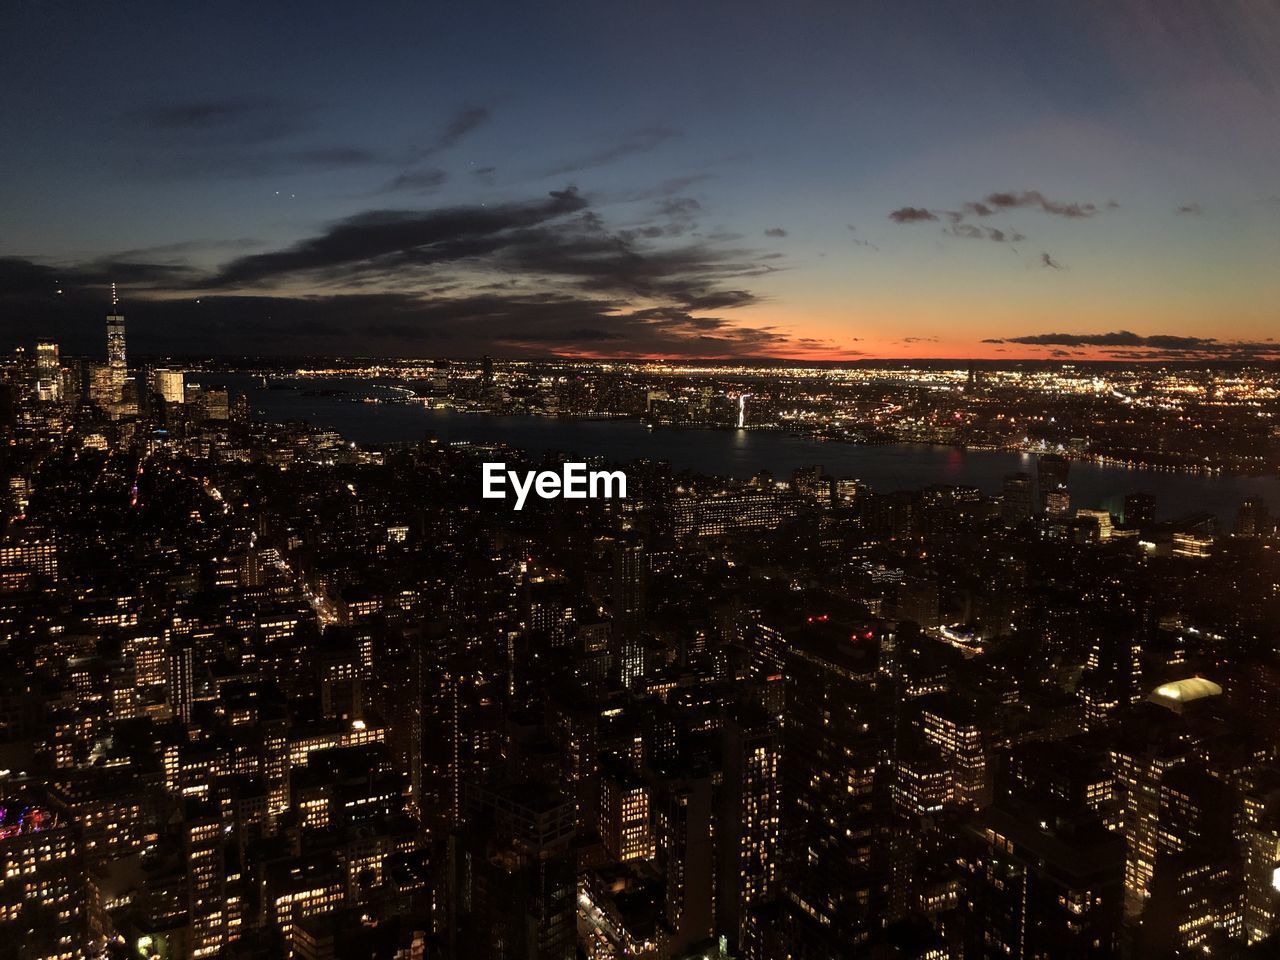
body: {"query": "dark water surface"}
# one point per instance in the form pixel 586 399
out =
pixel 740 453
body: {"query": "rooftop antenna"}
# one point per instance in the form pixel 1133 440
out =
pixel 115 301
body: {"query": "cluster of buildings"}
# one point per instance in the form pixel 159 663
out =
pixel 271 695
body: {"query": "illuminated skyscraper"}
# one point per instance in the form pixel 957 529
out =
pixel 179 678
pixel 115 333
pixel 747 841
pixel 168 385
pixel 48 371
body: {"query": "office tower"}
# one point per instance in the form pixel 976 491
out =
pixel 115 335
pixel 1100 517
pixel 169 385
pixel 217 404
pixel 1140 766
pixel 626 825
pixel 48 371
pixel 1051 476
pixel 1017 502
pixel 1057 503
pixel 180 679
pixel 950 725
pixel 1195 891
pixel 922 783
pixel 103 388
pixel 1113 669
pixel 1139 510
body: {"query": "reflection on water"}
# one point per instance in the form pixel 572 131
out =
pixel 741 453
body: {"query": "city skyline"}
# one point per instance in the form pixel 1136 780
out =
pixel 823 184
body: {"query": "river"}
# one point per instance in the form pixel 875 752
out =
pixel 739 453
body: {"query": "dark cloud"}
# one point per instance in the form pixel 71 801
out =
pixel 678 207
pixel 540 276
pixel 1048 261
pixel 484 175
pixel 1011 200
pixel 393 324
pixel 1190 208
pixel 418 181
pixel 775 232
pixel 912 215
pixel 679 184
pixel 391 238
pixel 992 205
pixel 640 141
pixel 1126 344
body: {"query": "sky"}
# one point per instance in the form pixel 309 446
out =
pixel 808 180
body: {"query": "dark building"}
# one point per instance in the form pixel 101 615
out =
pixel 835 783
pixel 512 889
pixel 1043 885
pixel 1018 502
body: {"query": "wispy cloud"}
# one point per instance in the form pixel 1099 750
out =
pixel 640 141
pixel 468 119
pixel 417 181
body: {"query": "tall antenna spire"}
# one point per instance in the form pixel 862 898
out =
pixel 115 301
